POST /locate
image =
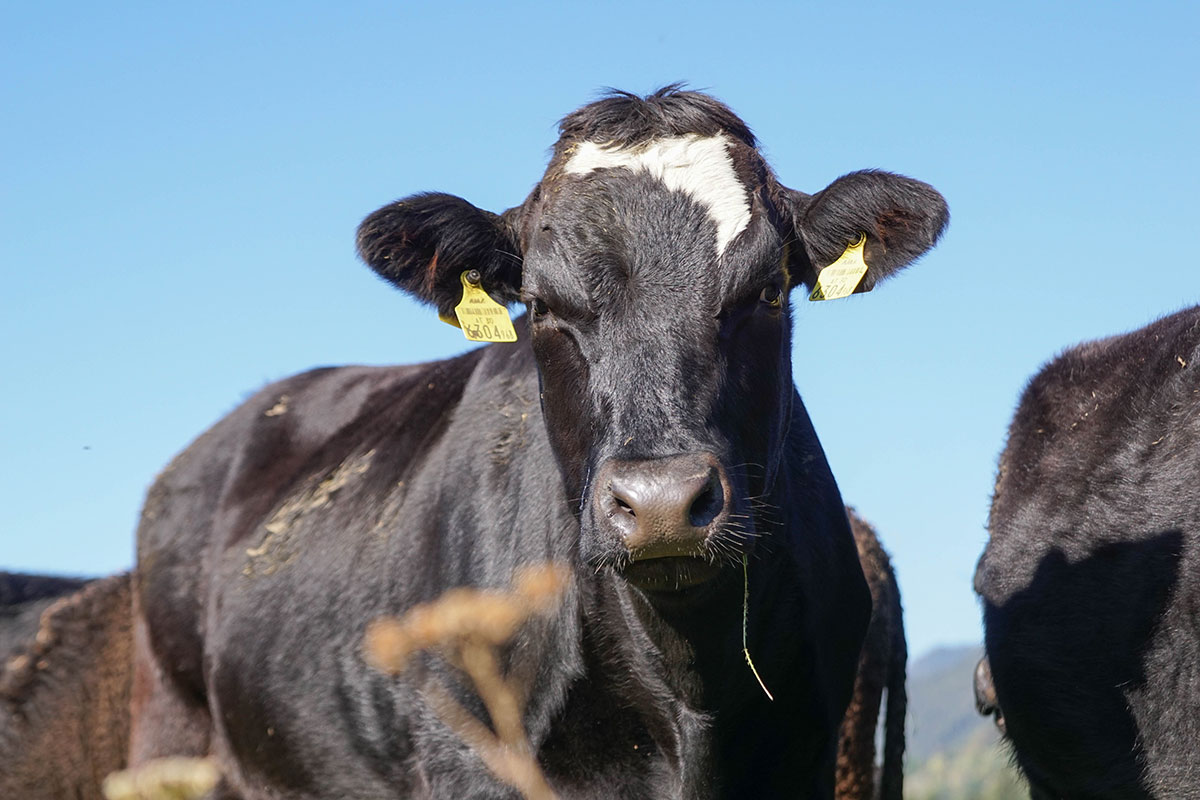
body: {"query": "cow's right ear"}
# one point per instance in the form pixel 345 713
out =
pixel 424 243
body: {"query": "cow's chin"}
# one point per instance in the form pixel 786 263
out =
pixel 670 574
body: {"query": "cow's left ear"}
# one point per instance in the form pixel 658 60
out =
pixel 424 243
pixel 901 219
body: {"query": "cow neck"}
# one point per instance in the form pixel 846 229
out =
pixel 657 661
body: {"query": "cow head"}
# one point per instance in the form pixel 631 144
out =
pixel 656 258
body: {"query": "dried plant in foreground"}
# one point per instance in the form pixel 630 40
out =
pixel 164 779
pixel 466 626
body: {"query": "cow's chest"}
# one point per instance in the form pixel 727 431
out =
pixel 314 720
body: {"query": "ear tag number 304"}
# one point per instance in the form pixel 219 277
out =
pixel 481 318
pixel 842 277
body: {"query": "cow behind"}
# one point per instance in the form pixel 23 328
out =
pixel 64 695
pixel 644 431
pixel 23 598
pixel 882 667
pixel 1091 576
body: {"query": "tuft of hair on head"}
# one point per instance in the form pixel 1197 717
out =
pixel 623 119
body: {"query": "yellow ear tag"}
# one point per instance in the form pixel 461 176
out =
pixel 842 277
pixel 481 318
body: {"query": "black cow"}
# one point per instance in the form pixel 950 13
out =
pixel 1091 576
pixel 643 430
pixel 66 678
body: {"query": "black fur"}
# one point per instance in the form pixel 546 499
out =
pixel 337 496
pixel 1091 576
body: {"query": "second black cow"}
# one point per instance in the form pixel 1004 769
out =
pixel 1091 576
pixel 644 431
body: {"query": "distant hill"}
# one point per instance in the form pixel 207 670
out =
pixel 953 753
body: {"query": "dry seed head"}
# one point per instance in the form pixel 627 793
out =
pixel 483 616
pixel 541 585
pixel 174 778
pixel 387 645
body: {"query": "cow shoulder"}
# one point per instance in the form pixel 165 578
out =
pixel 227 484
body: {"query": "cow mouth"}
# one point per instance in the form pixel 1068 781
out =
pixel 670 573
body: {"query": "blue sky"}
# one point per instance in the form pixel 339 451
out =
pixel 180 185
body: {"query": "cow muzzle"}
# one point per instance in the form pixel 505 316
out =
pixel 664 511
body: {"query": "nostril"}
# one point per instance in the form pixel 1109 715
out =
pixel 708 504
pixel 624 506
pixel 621 499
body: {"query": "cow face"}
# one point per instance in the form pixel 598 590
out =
pixel 655 259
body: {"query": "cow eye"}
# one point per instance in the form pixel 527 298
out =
pixel 772 296
pixel 538 308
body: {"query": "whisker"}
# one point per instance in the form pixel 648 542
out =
pixel 514 256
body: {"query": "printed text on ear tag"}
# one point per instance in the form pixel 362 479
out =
pixel 842 277
pixel 481 318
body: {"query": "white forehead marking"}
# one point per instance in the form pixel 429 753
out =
pixel 699 166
